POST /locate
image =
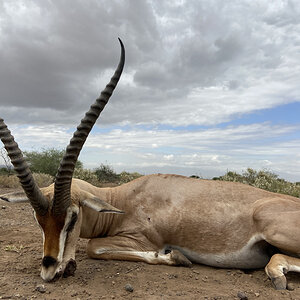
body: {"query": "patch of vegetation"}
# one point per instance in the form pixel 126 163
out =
pixel 263 179
pixel 5 171
pixel 47 161
pixel 106 174
pixel 86 175
pixel 9 181
pixel 42 180
pixel 102 176
pixel 14 248
pixel 125 177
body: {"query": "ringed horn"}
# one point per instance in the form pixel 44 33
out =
pixel 63 179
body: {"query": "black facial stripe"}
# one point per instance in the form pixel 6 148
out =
pixel 48 261
pixel 72 222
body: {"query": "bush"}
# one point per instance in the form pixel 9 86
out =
pixel 43 180
pixel 263 179
pixel 125 177
pixel 106 173
pixel 5 171
pixel 47 161
pixel 86 175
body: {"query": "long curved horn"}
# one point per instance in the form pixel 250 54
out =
pixel 34 194
pixel 62 188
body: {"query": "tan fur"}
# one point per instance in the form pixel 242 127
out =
pixel 176 220
pixel 51 227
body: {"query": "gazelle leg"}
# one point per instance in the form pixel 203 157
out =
pixel 123 248
pixel 278 221
pixel 278 266
pixel 69 263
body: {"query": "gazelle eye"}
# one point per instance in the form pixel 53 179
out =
pixel 72 222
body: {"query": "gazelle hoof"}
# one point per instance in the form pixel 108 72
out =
pixel 179 259
pixel 70 268
pixel 279 282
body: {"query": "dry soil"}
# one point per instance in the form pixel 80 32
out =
pixel 20 258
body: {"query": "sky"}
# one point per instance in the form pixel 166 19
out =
pixel 208 86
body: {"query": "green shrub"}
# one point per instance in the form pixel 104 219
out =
pixel 263 179
pixel 86 175
pixel 106 173
pixel 5 171
pixel 125 177
pixel 47 161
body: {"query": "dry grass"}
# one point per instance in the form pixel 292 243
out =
pixel 14 248
pixel 12 181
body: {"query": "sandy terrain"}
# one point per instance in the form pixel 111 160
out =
pixel 20 258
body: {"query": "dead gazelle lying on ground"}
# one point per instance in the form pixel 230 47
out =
pixel 168 219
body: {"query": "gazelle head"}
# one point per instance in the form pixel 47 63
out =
pixel 57 208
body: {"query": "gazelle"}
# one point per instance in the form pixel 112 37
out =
pixel 168 219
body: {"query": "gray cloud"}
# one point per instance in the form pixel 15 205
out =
pixel 54 53
pixel 187 63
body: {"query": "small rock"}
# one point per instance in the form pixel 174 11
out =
pixel 242 296
pixel 3 207
pixel 290 287
pixel 40 288
pixel 129 288
pixel 256 294
pixel 283 292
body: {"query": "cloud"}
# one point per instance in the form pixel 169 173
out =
pixel 189 64
pixel 211 151
pixel 181 69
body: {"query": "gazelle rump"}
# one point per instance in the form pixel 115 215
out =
pixel 158 219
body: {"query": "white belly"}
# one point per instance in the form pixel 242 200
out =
pixel 251 256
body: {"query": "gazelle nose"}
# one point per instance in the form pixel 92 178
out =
pixel 48 261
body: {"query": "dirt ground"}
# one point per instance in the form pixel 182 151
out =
pixel 20 258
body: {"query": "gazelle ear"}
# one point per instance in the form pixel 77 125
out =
pixel 100 205
pixel 14 197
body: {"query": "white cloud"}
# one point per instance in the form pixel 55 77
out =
pixel 210 152
pixel 168 157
